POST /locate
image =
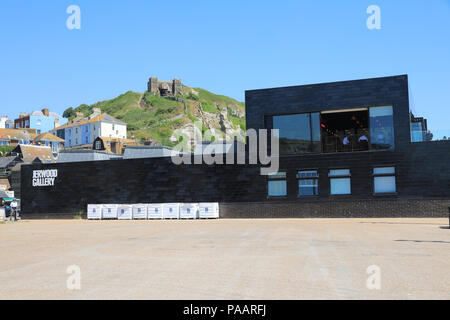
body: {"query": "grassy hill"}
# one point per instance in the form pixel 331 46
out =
pixel 151 117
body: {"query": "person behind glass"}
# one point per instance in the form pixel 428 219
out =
pixel 363 140
pixel 346 141
pixel 13 214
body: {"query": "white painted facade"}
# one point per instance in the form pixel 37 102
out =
pixel 113 130
pixel 3 120
pixel 87 132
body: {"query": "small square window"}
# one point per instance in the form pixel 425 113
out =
pixel 308 183
pixel 340 181
pixel 384 180
pixel 276 186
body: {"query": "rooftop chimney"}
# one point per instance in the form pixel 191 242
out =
pixel 46 112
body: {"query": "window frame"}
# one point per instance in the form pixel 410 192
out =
pixel 377 175
pixel 307 178
pixel 346 176
pixel 394 136
pixel 269 179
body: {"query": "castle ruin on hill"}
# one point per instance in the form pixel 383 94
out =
pixel 164 88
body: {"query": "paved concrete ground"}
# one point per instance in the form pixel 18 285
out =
pixel 226 259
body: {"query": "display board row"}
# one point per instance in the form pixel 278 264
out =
pixel 209 210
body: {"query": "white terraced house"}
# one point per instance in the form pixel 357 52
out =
pixel 83 131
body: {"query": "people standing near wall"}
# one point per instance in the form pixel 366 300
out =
pixel 13 214
pixel 2 210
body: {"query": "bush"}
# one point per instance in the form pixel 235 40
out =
pixel 68 113
pixel 4 150
pixel 192 96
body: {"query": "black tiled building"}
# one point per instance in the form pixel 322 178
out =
pixel 345 150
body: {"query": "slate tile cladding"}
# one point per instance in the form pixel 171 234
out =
pixel 422 169
pixel 422 174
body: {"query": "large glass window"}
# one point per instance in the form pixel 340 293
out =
pixel 381 127
pixel 298 133
pixel 384 180
pixel 308 183
pixel 340 181
pixel 277 185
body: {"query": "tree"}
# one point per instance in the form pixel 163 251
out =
pixel 68 112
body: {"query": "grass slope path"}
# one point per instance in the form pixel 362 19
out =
pixel 151 117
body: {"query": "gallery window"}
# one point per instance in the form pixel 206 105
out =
pixel 298 133
pixel 98 145
pixel 276 186
pixel 308 183
pixel 384 180
pixel 340 181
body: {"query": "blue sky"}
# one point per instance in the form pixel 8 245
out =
pixel 223 46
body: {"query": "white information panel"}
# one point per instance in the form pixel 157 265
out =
pixel 189 211
pixel 171 211
pixel 109 211
pixel 94 211
pixel 139 211
pixel 208 210
pixel 154 211
pixel 125 212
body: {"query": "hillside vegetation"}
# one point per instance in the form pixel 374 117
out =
pixel 155 118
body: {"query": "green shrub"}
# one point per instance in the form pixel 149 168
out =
pixel 4 150
pixel 192 96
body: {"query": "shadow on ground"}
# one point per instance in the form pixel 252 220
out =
pixel 421 241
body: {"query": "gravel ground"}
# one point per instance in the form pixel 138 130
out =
pixel 226 259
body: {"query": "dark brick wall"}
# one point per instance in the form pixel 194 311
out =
pixel 337 209
pixel 423 172
pixel 138 181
